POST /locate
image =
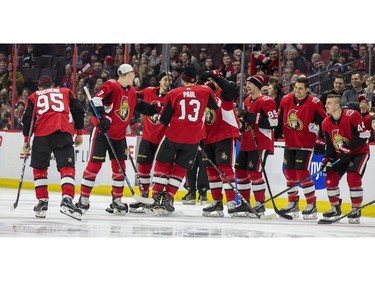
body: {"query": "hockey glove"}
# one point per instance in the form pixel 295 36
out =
pixel 320 146
pixel 251 118
pixel 345 155
pixel 327 164
pixel 242 126
pixel 209 74
pixel 104 124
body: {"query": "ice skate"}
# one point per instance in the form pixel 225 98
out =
pixel 242 210
pixel 202 197
pixel 292 209
pixel 83 204
pixel 310 212
pixel 117 207
pixel 68 208
pixel 189 198
pixel 154 207
pixel 214 210
pixel 41 208
pixel 355 216
pixel 231 206
pixel 259 208
pixel 166 207
pixel 334 212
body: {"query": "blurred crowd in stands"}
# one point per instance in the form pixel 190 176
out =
pixel 279 64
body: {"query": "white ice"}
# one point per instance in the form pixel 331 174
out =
pixel 237 250
pixel 187 221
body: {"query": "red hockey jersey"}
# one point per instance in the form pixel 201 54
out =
pixel 184 113
pixel 153 130
pixel 266 107
pixel 221 123
pixel 52 111
pixel 119 104
pixel 298 117
pixel 344 130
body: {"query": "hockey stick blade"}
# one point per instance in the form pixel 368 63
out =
pixel 143 200
pixel 285 216
pixel 327 221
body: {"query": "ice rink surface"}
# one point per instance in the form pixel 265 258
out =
pixel 240 241
pixel 187 221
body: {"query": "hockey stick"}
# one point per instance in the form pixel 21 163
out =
pixel 261 217
pixel 33 117
pixel 293 148
pixel 327 221
pixel 299 182
pixel 135 171
pixel 135 196
pixel 277 211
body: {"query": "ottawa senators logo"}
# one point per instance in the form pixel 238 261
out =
pixel 293 121
pixel 210 116
pixel 338 140
pixel 123 111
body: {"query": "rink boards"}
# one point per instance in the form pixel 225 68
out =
pixel 11 165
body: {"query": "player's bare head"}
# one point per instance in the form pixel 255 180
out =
pixel 303 80
pixel 333 103
pixel 335 98
pixel 45 82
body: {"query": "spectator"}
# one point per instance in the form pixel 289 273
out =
pixel 154 59
pixel 350 97
pixel 333 57
pixel 276 93
pixel 18 114
pixel 364 109
pixel 6 79
pixel 68 56
pixel 203 54
pixel 119 55
pixel 237 69
pixel 136 50
pixel 81 97
pixel 29 57
pixel 66 81
pixel 208 65
pixel 109 65
pixel 24 95
pixel 87 125
pixel 338 89
pixel 174 57
pixel 226 67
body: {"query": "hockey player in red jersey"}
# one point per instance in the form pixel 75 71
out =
pixel 300 116
pixel 57 114
pixel 153 132
pixel 183 115
pixel 347 139
pixel 222 128
pixel 260 116
pixel 115 101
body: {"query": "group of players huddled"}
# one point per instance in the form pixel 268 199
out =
pixel 176 121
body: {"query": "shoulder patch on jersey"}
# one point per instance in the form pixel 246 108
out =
pixel 315 99
pixel 111 80
pixel 266 98
pixel 349 112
